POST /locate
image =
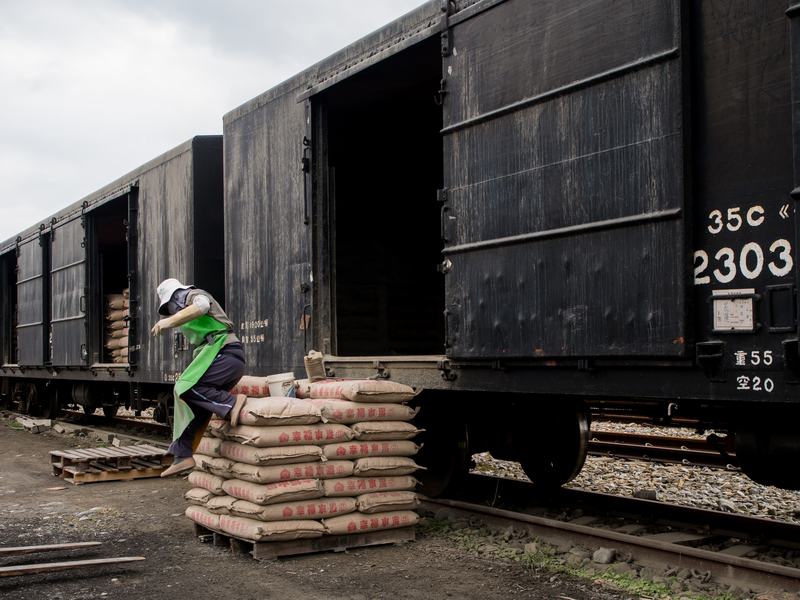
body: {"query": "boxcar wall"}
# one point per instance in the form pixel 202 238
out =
pixel 161 220
pixel 604 189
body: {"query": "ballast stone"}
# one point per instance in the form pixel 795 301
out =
pixel 604 556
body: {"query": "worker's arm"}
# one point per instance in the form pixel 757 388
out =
pixel 190 313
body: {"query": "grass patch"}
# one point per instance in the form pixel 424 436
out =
pixel 540 558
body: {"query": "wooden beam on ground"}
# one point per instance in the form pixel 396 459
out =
pixel 50 548
pixel 65 566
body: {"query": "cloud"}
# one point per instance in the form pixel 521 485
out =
pixel 94 89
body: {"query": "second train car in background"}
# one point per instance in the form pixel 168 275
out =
pixel 162 220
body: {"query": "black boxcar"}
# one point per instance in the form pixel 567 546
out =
pixel 537 210
pixel 161 220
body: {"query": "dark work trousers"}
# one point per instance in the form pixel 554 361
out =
pixel 211 395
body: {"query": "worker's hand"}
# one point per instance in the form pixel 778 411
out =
pixel 159 327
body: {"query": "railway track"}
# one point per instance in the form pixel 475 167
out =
pixel 732 549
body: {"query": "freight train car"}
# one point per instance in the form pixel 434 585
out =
pixel 161 220
pixel 536 210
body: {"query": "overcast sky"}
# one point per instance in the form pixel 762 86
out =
pixel 91 89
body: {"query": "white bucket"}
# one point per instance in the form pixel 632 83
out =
pixel 281 385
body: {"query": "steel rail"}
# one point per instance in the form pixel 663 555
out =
pixel 518 499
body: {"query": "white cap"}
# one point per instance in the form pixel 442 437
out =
pixel 165 290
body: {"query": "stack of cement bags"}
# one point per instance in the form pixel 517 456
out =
pixel 336 462
pixel 116 336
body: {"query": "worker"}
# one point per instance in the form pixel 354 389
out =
pixel 217 366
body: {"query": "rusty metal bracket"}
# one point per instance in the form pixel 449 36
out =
pixel 439 99
pixel 383 371
pixel 447 372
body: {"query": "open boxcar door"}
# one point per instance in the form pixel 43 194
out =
pixel 564 206
pixel 68 293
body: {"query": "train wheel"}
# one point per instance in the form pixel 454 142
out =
pixel 768 457
pixel 557 451
pixel 110 410
pixel 50 407
pixel 445 454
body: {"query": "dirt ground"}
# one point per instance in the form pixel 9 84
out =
pixel 145 518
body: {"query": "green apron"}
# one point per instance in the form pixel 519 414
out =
pixel 204 354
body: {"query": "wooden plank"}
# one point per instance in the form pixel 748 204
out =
pixel 125 475
pixel 241 546
pixel 48 548
pixel 273 550
pixel 742 550
pixel 65 566
pixel 679 537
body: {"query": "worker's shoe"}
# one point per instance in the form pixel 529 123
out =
pixel 236 411
pixel 179 466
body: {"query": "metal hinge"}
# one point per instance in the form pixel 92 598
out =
pixel 306 169
pixel 447 8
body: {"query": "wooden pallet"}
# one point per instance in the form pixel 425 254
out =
pixel 336 543
pixel 109 464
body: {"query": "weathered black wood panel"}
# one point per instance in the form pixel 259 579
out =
pixel 30 304
pixel 173 225
pixel 745 229
pixel 267 243
pixel 68 294
pixel 564 172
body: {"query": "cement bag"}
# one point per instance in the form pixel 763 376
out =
pixel 116 325
pixel 276 531
pixel 119 333
pixel 221 505
pixel 356 486
pixel 217 427
pixel 307 509
pixel 273 474
pixel 117 315
pixel 200 461
pixel 385 430
pixel 347 412
pixel 353 450
pixel 373 466
pixel 115 301
pixel 198 496
pixel 289 435
pixel 267 412
pixel 209 446
pixel 253 387
pixel 359 523
pixel 219 466
pixel 271 456
pixel 273 493
pixel 202 515
pixel 302 387
pixel 363 390
pixel 386 501
pixel 210 482
pixel 112 343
